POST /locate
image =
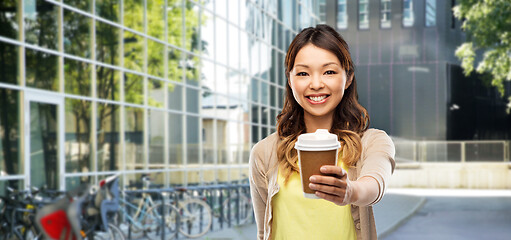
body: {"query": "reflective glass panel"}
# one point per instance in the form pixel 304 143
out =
pixel 264 92
pixel 108 149
pixel 40 22
pixel 133 51
pixel 134 138
pixel 107 43
pixel 265 111
pixel 108 9
pixel 44 157
pixel 133 88
pixel 78 136
pixel 208 141
pixel 41 70
pixel 233 11
pixel 207 33
pixel 84 5
pixel 176 178
pixel 156 90
pixel 134 14
pixel 192 27
pixel 221 141
pixel 234 47
pixel 385 14
pixel 10 161
pixel 363 14
pixel 192 137
pixel 156 138
pixel 156 19
pixel 175 96
pixel 408 16
pixel 155 54
pixel 13 184
pixel 192 72
pixel 430 13
pixel 77 77
pixel 175 139
pixel 108 83
pixel 221 40
pixel 175 22
pixel 74 182
pixel 193 177
pixel 77 34
pixel 9 56
pixel 192 100
pixel 175 60
pixel 9 26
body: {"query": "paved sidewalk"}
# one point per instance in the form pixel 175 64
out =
pixel 393 210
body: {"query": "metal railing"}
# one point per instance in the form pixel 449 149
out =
pixel 451 151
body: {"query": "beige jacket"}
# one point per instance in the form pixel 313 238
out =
pixel 377 161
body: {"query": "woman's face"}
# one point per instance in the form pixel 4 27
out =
pixel 318 81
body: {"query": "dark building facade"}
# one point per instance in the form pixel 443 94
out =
pixel 408 76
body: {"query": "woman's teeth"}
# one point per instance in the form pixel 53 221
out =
pixel 317 99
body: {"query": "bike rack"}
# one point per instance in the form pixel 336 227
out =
pixel 158 192
pixel 207 191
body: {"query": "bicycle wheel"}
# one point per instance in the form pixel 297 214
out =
pixel 196 218
pixel 153 221
pixel 113 233
pixel 232 211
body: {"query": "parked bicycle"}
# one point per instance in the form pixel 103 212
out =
pixel 81 214
pixel 191 215
pixel 17 213
pixel 237 208
pixel 146 216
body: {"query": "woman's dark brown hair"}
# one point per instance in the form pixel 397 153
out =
pixel 350 118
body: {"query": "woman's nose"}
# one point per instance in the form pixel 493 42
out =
pixel 316 82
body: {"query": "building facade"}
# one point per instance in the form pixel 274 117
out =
pixel 408 76
pixel 178 89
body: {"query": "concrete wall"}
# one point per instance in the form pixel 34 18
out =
pixel 453 175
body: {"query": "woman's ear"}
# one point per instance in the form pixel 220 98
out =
pixel 349 80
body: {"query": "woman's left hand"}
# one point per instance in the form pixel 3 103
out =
pixel 335 188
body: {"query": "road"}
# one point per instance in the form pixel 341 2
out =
pixel 458 217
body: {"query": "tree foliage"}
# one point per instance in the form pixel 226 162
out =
pixel 488 27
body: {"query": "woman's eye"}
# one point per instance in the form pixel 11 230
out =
pixel 329 72
pixel 302 74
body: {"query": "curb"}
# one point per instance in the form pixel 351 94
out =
pixel 385 232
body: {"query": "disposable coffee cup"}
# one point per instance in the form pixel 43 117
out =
pixel 315 150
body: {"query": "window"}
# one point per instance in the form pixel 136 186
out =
pixel 342 15
pixel 408 17
pixel 385 14
pixel 430 13
pixel 453 18
pixel 363 14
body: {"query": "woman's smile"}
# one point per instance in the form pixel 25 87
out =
pixel 318 98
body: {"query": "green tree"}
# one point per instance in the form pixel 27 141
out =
pixel 488 27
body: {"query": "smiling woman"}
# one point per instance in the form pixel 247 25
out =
pixel 321 94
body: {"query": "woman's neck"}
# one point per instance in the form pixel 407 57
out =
pixel 313 123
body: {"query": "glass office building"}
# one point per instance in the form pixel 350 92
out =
pixel 179 89
pixel 408 77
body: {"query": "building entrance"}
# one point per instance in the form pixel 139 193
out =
pixel 44 134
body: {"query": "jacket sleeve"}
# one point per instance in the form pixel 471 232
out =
pixel 378 159
pixel 258 187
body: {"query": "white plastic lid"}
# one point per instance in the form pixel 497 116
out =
pixel 321 140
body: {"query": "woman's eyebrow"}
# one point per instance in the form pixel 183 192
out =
pixel 307 66
pixel 330 63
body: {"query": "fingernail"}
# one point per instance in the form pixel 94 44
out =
pixel 312 179
pixel 312 185
pixel 323 169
